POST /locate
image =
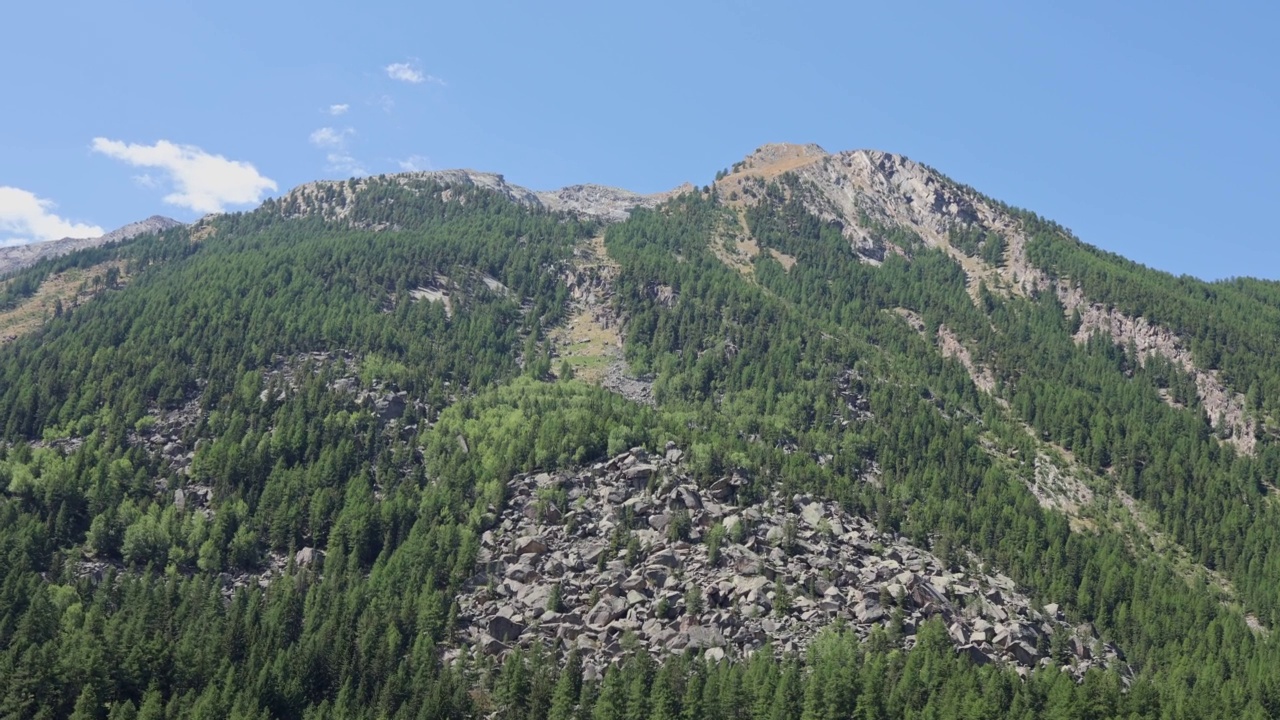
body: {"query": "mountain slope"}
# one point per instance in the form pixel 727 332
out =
pixel 900 449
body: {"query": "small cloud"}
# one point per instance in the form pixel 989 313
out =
pixel 410 73
pixel 204 182
pixel 339 159
pixel 339 109
pixel 415 163
pixel 327 137
pixel 145 180
pixel 387 103
pixel 344 163
pixel 25 218
pixel 404 72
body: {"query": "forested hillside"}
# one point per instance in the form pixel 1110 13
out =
pixel 273 466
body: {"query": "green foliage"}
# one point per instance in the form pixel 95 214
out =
pixel 116 602
pixel 715 540
pixel 680 526
pixel 693 600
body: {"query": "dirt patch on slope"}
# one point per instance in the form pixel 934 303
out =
pixel 591 341
pixel 72 289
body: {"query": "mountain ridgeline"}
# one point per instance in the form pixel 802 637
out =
pixel 831 436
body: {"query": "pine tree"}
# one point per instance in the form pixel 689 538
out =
pixel 611 704
pixel 568 690
pixel 88 706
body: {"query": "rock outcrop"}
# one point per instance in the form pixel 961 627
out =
pixel 633 548
pixel 335 199
pixel 605 203
pixel 1225 409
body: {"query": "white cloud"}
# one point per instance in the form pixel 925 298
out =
pixel 342 162
pixel 339 109
pixel 146 180
pixel 339 158
pixel 204 182
pixel 327 137
pixel 410 73
pixel 415 163
pixel 405 72
pixel 26 218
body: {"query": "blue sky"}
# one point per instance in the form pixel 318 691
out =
pixel 1148 128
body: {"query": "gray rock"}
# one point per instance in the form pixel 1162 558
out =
pixel 504 629
pixel 606 611
pixel 704 637
pixel 491 645
pixel 721 489
pixel 1024 653
pixel 829 576
pixel 666 559
pixel 638 475
pixel 975 653
pixel 530 545
pixel 522 573
pixel 868 612
pixel 812 514
pixel 689 498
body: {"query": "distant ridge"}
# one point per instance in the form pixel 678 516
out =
pixel 332 199
pixel 21 256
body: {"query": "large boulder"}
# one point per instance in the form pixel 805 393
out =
pixel 666 559
pixel 606 611
pixel 638 475
pixel 868 611
pixel 1024 653
pixel 530 545
pixel 976 654
pixel 659 522
pixel 522 573
pixel 812 514
pixel 504 629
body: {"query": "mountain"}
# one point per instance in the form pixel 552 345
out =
pixel 21 256
pixel 833 435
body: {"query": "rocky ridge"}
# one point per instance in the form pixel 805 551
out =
pixel 605 203
pixel 632 553
pixel 892 190
pixel 1225 409
pixel 21 256
pixel 334 199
